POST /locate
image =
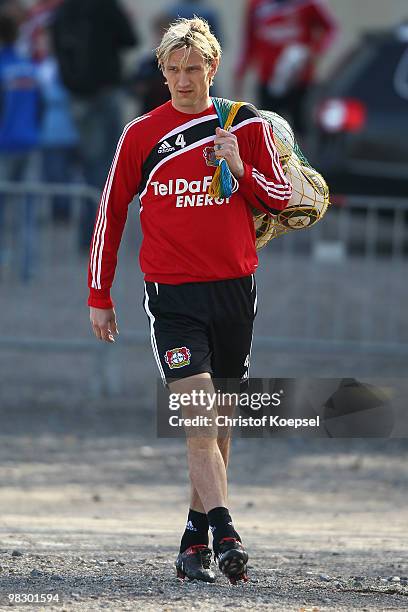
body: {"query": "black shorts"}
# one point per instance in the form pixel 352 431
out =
pixel 202 327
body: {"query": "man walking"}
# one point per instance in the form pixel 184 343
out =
pixel 199 258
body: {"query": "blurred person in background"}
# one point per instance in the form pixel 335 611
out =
pixel 58 134
pixel 15 9
pixel 19 129
pixel 88 37
pixel 282 41
pixel 187 9
pixel 34 27
pixel 147 84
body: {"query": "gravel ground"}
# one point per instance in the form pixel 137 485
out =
pixel 94 506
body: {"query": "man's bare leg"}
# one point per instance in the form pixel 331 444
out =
pixel 208 476
pixel 224 444
pixel 205 461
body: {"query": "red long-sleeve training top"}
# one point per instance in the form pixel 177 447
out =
pixel 271 26
pixel 165 157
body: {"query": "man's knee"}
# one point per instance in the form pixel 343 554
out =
pixel 196 399
pixel 202 443
pixel 191 383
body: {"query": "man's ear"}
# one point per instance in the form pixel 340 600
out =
pixel 213 69
pixel 161 67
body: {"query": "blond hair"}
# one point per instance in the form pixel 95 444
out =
pixel 189 34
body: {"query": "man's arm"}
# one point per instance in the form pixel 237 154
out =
pixel 256 165
pixel 120 188
pixel 264 184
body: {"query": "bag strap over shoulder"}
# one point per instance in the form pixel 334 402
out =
pixel 223 184
pixel 226 111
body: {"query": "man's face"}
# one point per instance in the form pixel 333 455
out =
pixel 188 78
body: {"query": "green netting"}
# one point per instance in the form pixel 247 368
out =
pixel 284 132
pixel 310 197
pixel 279 125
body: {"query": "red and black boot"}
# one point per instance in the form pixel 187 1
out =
pixel 195 564
pixel 232 559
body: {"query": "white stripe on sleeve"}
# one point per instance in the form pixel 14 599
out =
pixel 100 226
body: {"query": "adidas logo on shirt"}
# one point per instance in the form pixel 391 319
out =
pixel 165 147
pixel 190 526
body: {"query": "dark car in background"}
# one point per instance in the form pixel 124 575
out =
pixel 359 140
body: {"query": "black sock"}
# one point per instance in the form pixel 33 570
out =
pixel 221 526
pixel 196 531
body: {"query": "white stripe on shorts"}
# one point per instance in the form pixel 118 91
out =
pixel 152 336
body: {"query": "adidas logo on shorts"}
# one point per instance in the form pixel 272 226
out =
pixel 165 147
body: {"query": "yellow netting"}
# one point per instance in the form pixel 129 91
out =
pixel 310 197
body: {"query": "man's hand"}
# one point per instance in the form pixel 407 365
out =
pixel 104 323
pixel 226 146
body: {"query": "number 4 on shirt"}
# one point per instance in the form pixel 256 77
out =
pixel 180 142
